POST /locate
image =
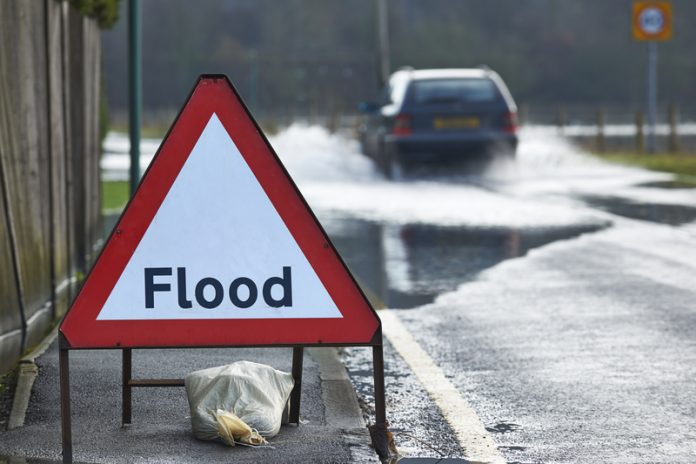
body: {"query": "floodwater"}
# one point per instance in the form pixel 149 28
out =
pixel 671 214
pixel 406 266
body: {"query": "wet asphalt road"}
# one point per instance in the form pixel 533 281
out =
pixel 573 344
pixel 574 363
pixel 557 296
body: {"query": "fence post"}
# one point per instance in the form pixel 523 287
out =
pixel 640 133
pixel 523 114
pixel 561 118
pixel 600 145
pixel 673 144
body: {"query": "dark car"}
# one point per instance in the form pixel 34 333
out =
pixel 438 115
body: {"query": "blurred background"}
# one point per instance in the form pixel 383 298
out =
pixel 314 59
pixel 554 289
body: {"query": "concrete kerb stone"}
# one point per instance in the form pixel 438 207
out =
pixel 26 375
pixel 341 404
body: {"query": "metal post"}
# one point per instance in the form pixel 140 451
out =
pixel 296 394
pixel 652 96
pixel 673 128
pixel 134 91
pixel 640 134
pixel 126 392
pixel 378 432
pixel 378 366
pixel 383 38
pixel 65 417
pixel 600 131
pixel 254 82
pixel 561 118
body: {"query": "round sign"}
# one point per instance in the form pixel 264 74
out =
pixel 652 20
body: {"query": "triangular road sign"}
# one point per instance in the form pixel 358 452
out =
pixel 218 248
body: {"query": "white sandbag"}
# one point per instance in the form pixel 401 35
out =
pixel 254 392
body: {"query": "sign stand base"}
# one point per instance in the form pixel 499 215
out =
pixel 377 431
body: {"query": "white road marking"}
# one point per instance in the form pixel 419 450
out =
pixel 466 425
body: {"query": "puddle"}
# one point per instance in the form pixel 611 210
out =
pixel 674 215
pixel 408 266
pixel 668 184
pixel 512 448
pixel 503 427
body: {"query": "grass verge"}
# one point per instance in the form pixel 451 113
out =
pixel 114 195
pixel 681 164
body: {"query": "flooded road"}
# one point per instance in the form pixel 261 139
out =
pixel 407 266
pixel 554 293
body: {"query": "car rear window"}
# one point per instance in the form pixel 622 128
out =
pixel 436 91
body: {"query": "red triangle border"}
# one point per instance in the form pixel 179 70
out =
pixel 215 94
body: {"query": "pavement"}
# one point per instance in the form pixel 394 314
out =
pixel 332 428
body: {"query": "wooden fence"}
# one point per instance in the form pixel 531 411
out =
pixel 50 220
pixel 617 128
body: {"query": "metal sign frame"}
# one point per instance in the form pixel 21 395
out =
pixel 378 430
pixel 379 437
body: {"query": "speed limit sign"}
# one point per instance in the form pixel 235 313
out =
pixel 652 20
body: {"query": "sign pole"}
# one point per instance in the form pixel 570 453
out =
pixel 379 431
pixel 652 22
pixel 65 416
pixel 296 394
pixel 126 396
pixel 134 91
pixel 652 96
pixel 383 38
pixel 378 366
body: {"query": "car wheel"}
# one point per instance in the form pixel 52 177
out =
pixel 392 166
pixel 502 151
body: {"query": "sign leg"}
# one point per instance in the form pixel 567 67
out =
pixel 126 401
pixel 65 417
pixel 295 395
pixel 378 432
pixel 378 362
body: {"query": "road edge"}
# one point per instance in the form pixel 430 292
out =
pixel 28 370
pixel 478 445
pixel 341 407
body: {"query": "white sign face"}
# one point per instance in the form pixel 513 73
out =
pixel 217 249
pixel 651 21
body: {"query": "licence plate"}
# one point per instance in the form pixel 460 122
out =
pixel 467 122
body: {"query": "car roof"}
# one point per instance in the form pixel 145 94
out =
pixel 400 80
pixel 418 74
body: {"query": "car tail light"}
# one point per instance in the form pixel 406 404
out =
pixel 510 123
pixel 402 125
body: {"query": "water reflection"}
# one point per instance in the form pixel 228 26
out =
pixel 668 184
pixel 655 212
pixel 409 265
